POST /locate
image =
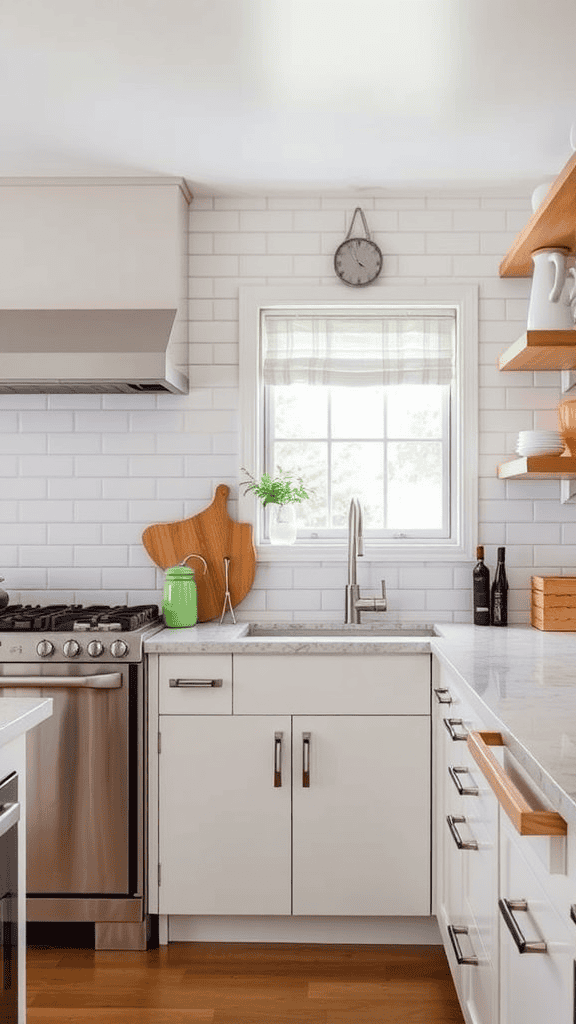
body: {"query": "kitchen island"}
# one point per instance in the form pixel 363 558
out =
pixel 17 716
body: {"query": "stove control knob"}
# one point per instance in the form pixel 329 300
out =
pixel 95 648
pixel 44 648
pixel 71 648
pixel 118 649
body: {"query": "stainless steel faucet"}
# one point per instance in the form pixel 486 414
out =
pixel 354 603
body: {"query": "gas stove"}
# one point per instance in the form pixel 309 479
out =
pixel 76 632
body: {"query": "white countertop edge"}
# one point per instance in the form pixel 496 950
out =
pixel 19 714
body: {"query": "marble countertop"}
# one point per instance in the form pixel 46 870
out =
pixel 521 680
pixel 19 714
pixel 211 638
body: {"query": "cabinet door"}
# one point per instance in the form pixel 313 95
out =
pixel 537 986
pixel 224 828
pixel 361 828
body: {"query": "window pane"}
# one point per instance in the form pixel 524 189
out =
pixel 301 410
pixel 357 412
pixel 309 460
pixel 357 472
pixel 414 410
pixel 414 477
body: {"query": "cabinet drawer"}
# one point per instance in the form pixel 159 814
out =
pixel 185 684
pixel 538 987
pixel 332 684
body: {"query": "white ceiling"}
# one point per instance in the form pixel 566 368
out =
pixel 244 95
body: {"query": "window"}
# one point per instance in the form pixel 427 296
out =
pixel 370 397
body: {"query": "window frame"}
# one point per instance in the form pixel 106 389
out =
pixel 463 299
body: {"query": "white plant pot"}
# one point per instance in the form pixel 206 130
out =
pixel 282 524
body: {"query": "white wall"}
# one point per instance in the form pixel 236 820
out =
pixel 82 476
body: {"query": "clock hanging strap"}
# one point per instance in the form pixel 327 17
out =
pixel 364 222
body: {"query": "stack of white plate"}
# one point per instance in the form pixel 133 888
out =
pixel 539 442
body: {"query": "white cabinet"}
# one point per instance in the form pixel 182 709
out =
pixel 361 827
pixel 495 887
pixel 224 824
pixel 304 809
pixel 537 943
pixel 466 855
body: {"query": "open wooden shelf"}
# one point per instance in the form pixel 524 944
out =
pixel 552 224
pixel 537 467
pixel 541 350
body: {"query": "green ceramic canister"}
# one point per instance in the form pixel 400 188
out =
pixel 179 602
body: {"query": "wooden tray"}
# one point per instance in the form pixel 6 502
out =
pixel 215 536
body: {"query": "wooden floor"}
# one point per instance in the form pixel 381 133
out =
pixel 242 983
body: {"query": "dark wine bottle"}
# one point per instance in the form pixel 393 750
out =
pixel 481 587
pixel 499 602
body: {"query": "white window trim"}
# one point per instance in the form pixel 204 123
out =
pixel 462 298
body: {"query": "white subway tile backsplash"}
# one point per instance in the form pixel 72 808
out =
pixel 452 243
pixel 532 533
pixel 74 533
pixel 47 555
pixel 83 475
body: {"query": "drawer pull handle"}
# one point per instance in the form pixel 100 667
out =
pixel 443 695
pixel 306 760
pixel 527 820
pixel 453 931
pixel 450 723
pixel 462 844
pixel 523 946
pixel 189 683
pixel 471 790
pixel 278 759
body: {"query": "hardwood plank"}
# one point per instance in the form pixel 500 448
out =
pixel 92 1015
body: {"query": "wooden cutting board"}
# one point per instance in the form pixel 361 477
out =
pixel 215 536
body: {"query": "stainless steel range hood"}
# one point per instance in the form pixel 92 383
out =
pixel 93 351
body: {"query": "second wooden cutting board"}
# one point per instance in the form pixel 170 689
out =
pixel 215 536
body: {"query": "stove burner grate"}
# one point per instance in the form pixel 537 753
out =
pixel 61 618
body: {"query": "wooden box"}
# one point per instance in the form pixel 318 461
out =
pixel 554 603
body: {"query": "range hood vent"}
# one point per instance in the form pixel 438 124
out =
pixel 88 351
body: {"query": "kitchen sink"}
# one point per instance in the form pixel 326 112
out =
pixel 319 630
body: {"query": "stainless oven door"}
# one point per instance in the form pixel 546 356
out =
pixel 77 787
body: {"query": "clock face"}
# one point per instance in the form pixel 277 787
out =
pixel 357 261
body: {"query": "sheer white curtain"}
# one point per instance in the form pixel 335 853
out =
pixel 347 349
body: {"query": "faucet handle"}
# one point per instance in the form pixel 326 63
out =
pixel 384 589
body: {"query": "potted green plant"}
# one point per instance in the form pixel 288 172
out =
pixel 282 493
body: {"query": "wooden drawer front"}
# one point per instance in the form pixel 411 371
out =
pixel 200 699
pixel 332 684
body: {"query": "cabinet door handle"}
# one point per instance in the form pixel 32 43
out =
pixel 522 945
pixel 194 682
pixel 450 723
pixel 306 760
pixel 278 759
pixel 453 931
pixel 463 791
pixel 443 695
pixel 462 844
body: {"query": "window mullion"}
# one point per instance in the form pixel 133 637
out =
pixel 329 460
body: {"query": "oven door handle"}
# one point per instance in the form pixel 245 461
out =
pixel 105 681
pixel 9 818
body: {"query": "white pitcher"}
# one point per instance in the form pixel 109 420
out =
pixel 549 308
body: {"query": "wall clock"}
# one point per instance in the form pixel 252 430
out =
pixel 358 261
